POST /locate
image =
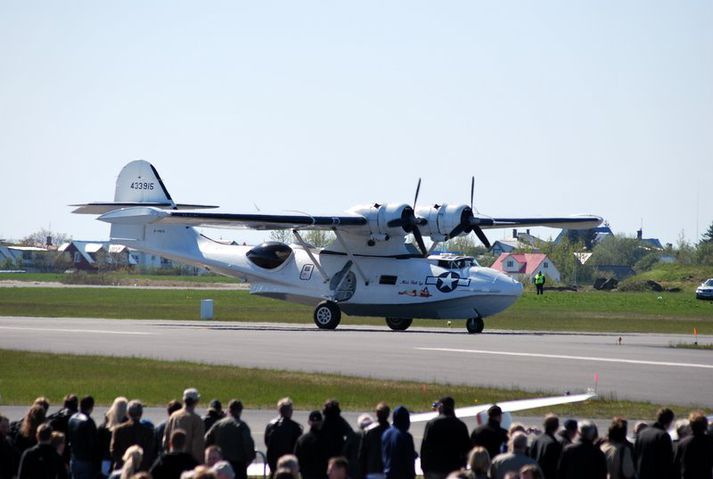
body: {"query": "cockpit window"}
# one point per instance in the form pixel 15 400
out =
pixel 269 255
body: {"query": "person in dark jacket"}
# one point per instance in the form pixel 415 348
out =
pixel 9 456
pixel 133 433
pixel 546 449
pixel 233 437
pixel 60 420
pixel 568 433
pixel 583 459
pixel 490 435
pixel 82 438
pixel 215 413
pixel 177 460
pixel 281 434
pixel 309 450
pixel 654 450
pixel 370 447
pixel 694 454
pixel 397 450
pixel 42 461
pixel 445 444
pixel 335 429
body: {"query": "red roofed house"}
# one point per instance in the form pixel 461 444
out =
pixel 526 265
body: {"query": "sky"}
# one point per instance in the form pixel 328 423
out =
pixel 556 107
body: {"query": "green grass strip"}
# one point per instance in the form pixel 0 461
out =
pixel 27 375
pixel 594 311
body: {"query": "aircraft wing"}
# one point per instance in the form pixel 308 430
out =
pixel 580 222
pixel 225 220
pixel 509 406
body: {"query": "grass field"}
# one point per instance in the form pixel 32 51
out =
pixel 565 311
pixel 26 375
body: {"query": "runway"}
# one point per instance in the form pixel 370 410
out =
pixel 643 367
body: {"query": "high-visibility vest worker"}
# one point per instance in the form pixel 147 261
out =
pixel 539 278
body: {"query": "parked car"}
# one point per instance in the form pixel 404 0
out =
pixel 705 290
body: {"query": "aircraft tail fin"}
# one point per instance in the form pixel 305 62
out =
pixel 138 184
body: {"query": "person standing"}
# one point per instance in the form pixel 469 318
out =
pixel 190 422
pixel 82 438
pixel 397 450
pixel 694 454
pixel 583 459
pixel 281 434
pixel 514 459
pixel 654 450
pixel 619 451
pixel 160 430
pixel 335 431
pixel 490 435
pixel 9 456
pixel 546 449
pixel 309 450
pixel 445 444
pixel 177 460
pixel 232 436
pixel 42 461
pixel 540 282
pixel 370 447
pixel 133 433
pixel 215 413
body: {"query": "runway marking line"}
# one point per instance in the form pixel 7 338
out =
pixel 575 358
pixel 91 331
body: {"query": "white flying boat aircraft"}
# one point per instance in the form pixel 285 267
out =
pixel 368 270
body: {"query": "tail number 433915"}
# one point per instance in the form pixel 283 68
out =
pixel 138 185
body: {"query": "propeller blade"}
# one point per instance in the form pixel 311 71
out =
pixel 472 190
pixel 419 239
pixel 418 189
pixel 481 236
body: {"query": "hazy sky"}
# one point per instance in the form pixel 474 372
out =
pixel 601 107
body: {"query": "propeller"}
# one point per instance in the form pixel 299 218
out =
pixel 410 222
pixel 468 222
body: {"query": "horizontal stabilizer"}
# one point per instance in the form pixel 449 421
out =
pixel 100 208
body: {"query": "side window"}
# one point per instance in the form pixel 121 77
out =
pixel 77 257
pixel 547 264
pixel 387 279
pixel 509 264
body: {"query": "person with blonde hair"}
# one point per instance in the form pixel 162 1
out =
pixel 132 463
pixel 479 462
pixel 115 416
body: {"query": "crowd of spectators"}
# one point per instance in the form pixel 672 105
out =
pixel 70 444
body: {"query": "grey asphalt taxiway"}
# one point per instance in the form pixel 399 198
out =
pixel 641 367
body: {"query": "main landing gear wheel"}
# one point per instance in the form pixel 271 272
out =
pixel 327 315
pixel 399 324
pixel 474 325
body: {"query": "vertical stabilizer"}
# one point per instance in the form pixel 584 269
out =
pixel 139 182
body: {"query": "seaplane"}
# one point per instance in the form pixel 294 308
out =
pixel 369 269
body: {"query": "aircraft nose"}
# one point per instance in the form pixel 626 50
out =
pixel 508 285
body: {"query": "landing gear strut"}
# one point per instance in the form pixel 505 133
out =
pixel 399 324
pixel 327 315
pixel 474 325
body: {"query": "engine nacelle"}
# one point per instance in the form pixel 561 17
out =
pixel 442 220
pixel 380 216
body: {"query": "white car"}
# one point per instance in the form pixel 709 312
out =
pixel 705 290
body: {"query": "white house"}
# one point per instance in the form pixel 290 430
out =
pixel 524 266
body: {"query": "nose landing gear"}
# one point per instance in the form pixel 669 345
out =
pixel 475 325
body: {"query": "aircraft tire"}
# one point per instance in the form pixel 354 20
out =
pixel 327 315
pixel 399 324
pixel 474 325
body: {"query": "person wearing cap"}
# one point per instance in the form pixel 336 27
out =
pixel 569 432
pixel 370 448
pixel 490 435
pixel 190 422
pixel 215 413
pixel 445 443
pixel 133 432
pixel 232 436
pixel 397 450
pixel 546 449
pixel 310 451
pixel 281 434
